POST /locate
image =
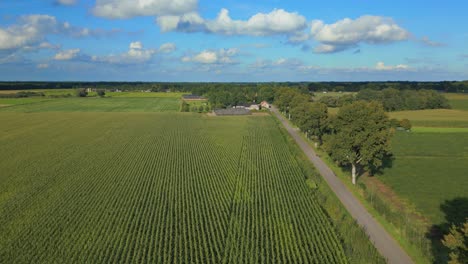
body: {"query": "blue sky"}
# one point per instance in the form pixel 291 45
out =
pixel 200 40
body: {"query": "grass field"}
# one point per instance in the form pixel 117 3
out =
pixel 434 117
pixel 144 94
pixel 429 169
pixel 156 187
pixel 458 101
pixel 91 104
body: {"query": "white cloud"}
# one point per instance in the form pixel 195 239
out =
pixel 136 45
pixel 43 66
pixel 426 41
pixel 222 56
pixel 67 54
pixel 382 67
pixel 31 31
pixel 167 48
pixel 276 22
pixel 67 2
pixel 281 63
pixel 135 54
pixel 121 9
pixel 189 22
pixel 348 33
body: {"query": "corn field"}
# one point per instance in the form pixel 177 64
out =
pixel 155 188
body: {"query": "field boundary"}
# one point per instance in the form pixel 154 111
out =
pixel 383 241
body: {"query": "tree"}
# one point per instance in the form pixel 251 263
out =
pixel 406 124
pixel 201 109
pixel 361 137
pixel 457 242
pixel 312 118
pixel 81 92
pixel 101 92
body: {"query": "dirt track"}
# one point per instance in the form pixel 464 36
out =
pixel 384 243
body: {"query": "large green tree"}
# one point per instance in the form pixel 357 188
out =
pixel 312 118
pixel 361 137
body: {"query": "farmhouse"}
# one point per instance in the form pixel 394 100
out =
pixel 247 106
pixel 265 104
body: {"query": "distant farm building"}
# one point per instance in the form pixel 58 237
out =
pixel 192 97
pixel 265 104
pixel 247 106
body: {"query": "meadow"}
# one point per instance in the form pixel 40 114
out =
pixel 429 169
pixel 81 183
pixel 458 101
pixel 92 104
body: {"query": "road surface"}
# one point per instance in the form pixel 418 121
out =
pixel 385 244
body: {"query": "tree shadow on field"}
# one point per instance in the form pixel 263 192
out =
pixel 387 162
pixel 456 212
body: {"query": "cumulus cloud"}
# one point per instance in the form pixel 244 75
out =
pixel 122 9
pixel 167 48
pixel 31 31
pixel 222 56
pixel 348 33
pixel 277 22
pixel 282 63
pixel 135 54
pixel 66 2
pixel 67 54
pixel 382 67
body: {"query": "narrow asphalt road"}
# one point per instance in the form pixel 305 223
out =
pixel 384 243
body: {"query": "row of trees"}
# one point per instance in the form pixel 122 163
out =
pixel 202 88
pixel 357 137
pixel 392 99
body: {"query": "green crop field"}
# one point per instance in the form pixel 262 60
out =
pixel 156 187
pixel 91 104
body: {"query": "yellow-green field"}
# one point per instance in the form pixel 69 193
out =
pixel 458 101
pixel 431 162
pixel 434 117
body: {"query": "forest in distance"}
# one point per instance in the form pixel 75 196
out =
pixel 203 87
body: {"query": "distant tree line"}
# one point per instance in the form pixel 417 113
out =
pixel 204 88
pixel 392 99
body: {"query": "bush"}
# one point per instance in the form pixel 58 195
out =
pixel 406 124
pixel 101 92
pixel 81 92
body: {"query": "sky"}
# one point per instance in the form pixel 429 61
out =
pixel 233 41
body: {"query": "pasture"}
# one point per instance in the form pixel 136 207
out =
pixel 429 169
pixel 156 187
pixel 434 117
pixel 458 101
pixel 91 104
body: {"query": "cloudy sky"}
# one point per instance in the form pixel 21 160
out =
pixel 233 40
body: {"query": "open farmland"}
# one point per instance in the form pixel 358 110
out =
pixel 434 117
pixel 92 104
pixel 154 187
pixel 429 169
pixel 458 101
